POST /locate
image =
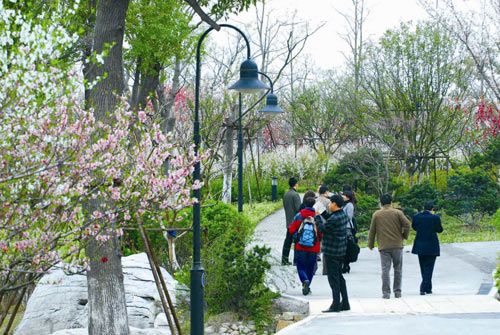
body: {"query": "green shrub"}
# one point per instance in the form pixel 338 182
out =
pixel 366 205
pixel 234 276
pixel 471 195
pixel 364 169
pixel 413 200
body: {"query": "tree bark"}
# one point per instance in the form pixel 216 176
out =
pixel 228 158
pixel 106 292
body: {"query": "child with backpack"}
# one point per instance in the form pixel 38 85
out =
pixel 307 243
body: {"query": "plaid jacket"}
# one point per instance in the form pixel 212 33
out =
pixel 334 234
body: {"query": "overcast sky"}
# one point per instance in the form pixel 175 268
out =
pixel 326 46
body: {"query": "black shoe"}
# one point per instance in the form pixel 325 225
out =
pixel 305 287
pixel 428 292
pixel 344 306
pixel 331 309
pixel 285 262
pixel 422 293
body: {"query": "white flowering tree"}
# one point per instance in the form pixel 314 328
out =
pixel 71 177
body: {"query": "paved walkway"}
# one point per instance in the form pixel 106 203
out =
pixel 461 283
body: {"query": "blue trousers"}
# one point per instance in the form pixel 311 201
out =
pixel 307 264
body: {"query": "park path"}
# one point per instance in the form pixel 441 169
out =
pixel 462 284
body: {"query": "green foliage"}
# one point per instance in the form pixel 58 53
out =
pixel 225 7
pixel 364 168
pixel 157 31
pixel 260 191
pixel 413 200
pixel 365 206
pixel 234 275
pixel 471 193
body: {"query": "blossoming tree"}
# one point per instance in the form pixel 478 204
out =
pixel 71 178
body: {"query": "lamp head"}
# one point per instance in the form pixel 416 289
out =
pixel 249 79
pixel 271 107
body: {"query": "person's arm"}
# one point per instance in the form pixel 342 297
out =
pixel 413 222
pixel 439 227
pixel 296 202
pixel 372 233
pixel 405 225
pixel 294 226
pixel 349 210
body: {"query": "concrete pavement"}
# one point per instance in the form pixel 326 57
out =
pixel 461 282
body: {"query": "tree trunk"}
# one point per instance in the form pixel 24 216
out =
pixel 106 292
pixel 149 83
pixel 228 158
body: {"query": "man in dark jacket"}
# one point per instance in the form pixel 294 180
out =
pixel 426 244
pixel 334 246
pixel 291 203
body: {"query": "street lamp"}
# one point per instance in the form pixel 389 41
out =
pixel 249 81
pixel 271 108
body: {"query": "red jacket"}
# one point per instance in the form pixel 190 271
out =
pixel 295 225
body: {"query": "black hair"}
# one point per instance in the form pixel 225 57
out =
pixel 337 198
pixel 346 188
pixel 309 194
pixel 309 201
pixel 385 199
pixel 350 195
pixel 292 181
pixel 323 189
pixel 429 205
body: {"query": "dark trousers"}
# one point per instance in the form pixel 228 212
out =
pixel 426 269
pixel 336 280
pixel 306 264
pixel 286 246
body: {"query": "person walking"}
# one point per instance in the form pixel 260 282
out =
pixel 426 245
pixel 348 208
pixel 334 247
pixel 307 243
pixel 390 226
pixel 291 204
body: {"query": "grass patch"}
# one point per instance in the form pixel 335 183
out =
pixel 455 231
pixel 260 210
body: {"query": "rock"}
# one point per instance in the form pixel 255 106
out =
pixel 286 304
pixel 209 330
pixel 288 316
pixel 298 317
pixel 59 301
pixel 133 331
pixel 161 321
pixel 282 324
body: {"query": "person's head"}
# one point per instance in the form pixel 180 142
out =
pixel 429 205
pixel 309 194
pixel 309 201
pixel 336 202
pixel 323 189
pixel 346 188
pixel 293 182
pixel 348 196
pixel 385 199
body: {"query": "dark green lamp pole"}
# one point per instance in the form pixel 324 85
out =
pixel 248 82
pixel 271 108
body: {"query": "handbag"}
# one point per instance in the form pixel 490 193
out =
pixel 352 251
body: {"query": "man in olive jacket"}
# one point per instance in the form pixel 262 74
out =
pixel 390 226
pixel 291 203
pixel 426 244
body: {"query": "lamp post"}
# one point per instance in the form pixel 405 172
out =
pixel 274 189
pixel 271 108
pixel 248 82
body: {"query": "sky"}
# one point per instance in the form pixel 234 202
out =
pixel 325 47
